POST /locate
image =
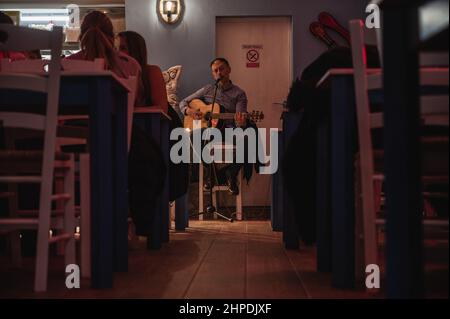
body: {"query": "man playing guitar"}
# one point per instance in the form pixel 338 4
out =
pixel 231 98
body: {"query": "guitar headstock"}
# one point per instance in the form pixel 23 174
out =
pixel 256 116
pixel 319 32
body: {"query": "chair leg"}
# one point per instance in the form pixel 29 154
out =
pixel 14 237
pixel 200 191
pixel 368 208
pixel 377 187
pixel 239 198
pixel 172 208
pixel 85 216
pixel 69 214
pixel 60 205
pixel 132 237
pixel 16 248
pixel 359 229
pixel 428 210
pixel 45 205
pixel 214 201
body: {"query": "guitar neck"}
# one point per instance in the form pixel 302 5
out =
pixel 223 116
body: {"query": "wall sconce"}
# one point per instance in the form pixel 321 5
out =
pixel 170 11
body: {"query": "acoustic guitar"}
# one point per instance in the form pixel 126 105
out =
pixel 330 22
pixel 318 30
pixel 215 115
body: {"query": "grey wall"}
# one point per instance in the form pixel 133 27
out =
pixel 192 42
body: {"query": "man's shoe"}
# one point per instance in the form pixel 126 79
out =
pixel 232 186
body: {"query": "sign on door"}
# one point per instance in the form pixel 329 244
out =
pixel 253 55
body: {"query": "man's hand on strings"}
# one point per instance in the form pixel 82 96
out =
pixel 240 119
pixel 195 114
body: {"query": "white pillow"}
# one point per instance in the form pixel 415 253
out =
pixel 171 77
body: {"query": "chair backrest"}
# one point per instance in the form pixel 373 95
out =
pixel 22 66
pixel 429 22
pixel 434 108
pixel 131 83
pixel 359 58
pixel 26 39
pixel 364 124
pixel 83 65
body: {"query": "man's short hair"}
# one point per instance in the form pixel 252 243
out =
pixel 4 18
pixel 220 60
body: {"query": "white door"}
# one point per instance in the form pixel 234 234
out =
pixel 259 51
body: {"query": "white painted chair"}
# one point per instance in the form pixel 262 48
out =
pixel 23 39
pixel 82 66
pixel 434 111
pixel 37 67
pixel 220 188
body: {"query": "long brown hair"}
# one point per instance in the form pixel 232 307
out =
pixel 97 38
pixel 4 18
pixel 137 49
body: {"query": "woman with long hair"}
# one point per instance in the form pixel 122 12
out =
pixel 97 42
pixel 133 44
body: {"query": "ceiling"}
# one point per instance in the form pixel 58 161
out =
pixel 58 3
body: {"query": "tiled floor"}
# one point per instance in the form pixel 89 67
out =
pixel 212 259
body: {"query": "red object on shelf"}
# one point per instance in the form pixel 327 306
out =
pixel 330 22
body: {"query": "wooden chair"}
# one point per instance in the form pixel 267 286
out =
pixel 369 177
pixel 20 166
pixel 77 136
pixel 221 148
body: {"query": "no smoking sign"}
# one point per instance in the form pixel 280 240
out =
pixel 253 57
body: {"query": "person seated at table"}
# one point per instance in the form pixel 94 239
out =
pixel 13 56
pixel 133 44
pixel 97 42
